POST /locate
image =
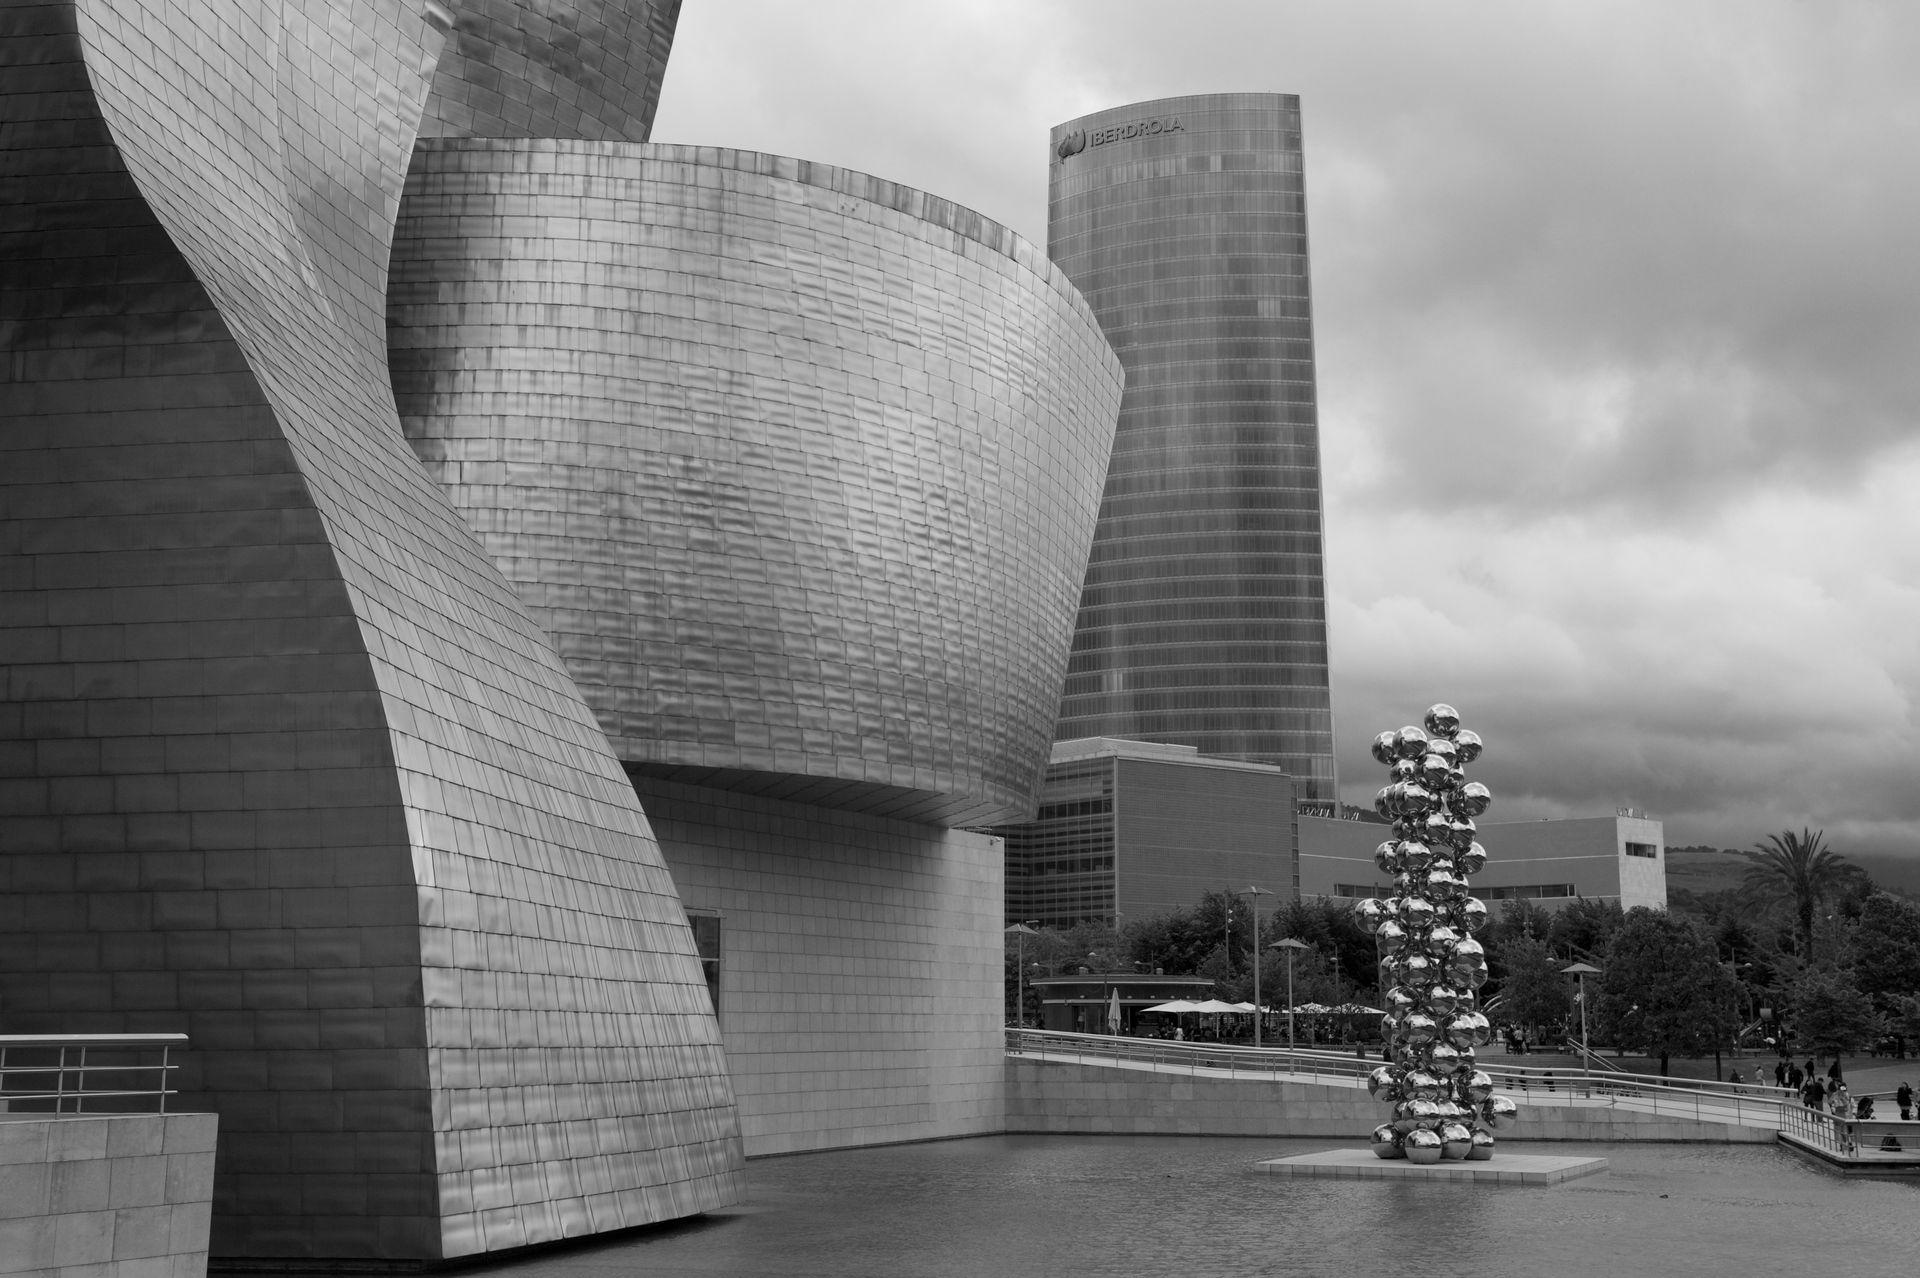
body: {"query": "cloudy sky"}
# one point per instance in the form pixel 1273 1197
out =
pixel 1617 309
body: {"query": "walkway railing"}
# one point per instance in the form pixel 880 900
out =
pixel 87 1073
pixel 1861 1140
pixel 1705 1101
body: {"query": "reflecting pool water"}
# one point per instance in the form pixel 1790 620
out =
pixel 1191 1206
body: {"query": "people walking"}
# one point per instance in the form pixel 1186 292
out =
pixel 1780 1073
pixel 1796 1081
pixel 1903 1097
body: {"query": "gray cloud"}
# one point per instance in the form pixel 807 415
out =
pixel 1616 320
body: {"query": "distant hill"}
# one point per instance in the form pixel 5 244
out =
pixel 1705 869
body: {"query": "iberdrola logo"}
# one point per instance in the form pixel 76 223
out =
pixel 1072 144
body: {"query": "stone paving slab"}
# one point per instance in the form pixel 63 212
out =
pixel 1501 1169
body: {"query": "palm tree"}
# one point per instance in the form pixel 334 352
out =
pixel 1801 870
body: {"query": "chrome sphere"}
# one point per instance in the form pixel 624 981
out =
pixel 1415 856
pixel 1423 1085
pixel 1461 834
pixel 1386 748
pixel 1456 1140
pixel 1386 1079
pixel 1369 914
pixel 1444 885
pixel 1386 858
pixel 1386 1142
pixel 1461 1030
pixel 1404 770
pixel 1399 1000
pixel 1442 720
pixel 1421 1146
pixel 1380 801
pixel 1446 749
pixel 1470 950
pixel 1474 799
pixel 1416 970
pixel 1437 830
pixel 1479 1086
pixel 1469 746
pixel 1439 942
pixel 1435 772
pixel 1441 1000
pixel 1470 914
pixel 1410 742
pixel 1417 800
pixel 1419 1028
pixel 1390 937
pixel 1482 1145
pixel 1472 860
pixel 1500 1112
pixel 1417 913
pixel 1443 1056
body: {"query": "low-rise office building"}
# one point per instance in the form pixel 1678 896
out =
pixel 1127 829
pixel 1617 858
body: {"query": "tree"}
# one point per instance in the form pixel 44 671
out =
pixel 1886 950
pixel 1662 989
pixel 1531 984
pixel 1830 1017
pixel 1584 927
pixel 1799 870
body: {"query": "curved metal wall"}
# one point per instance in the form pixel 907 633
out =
pixel 552 69
pixel 283 762
pixel 1203 622
pixel 798 467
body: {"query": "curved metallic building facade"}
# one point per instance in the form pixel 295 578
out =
pixel 1203 620
pixel 798 467
pixel 284 763
pixel 551 69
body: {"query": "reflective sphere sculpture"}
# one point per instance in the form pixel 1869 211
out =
pixel 1430 965
pixel 1421 1146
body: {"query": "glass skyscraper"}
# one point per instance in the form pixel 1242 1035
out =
pixel 1203 617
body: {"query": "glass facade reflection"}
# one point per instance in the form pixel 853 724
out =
pixel 1203 618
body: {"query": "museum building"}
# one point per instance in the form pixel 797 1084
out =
pixel 448 543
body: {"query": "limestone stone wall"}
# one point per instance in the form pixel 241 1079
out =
pixel 111 1197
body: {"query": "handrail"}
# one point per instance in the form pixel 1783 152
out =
pixel 1700 1099
pixel 1592 1058
pixel 62 1074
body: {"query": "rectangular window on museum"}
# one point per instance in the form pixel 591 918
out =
pixel 706 940
pixel 1648 850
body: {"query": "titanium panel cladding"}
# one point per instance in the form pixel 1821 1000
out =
pixel 283 762
pixel 798 467
pixel 551 69
pixel 1203 619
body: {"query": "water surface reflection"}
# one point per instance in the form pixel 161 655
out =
pixel 1066 1206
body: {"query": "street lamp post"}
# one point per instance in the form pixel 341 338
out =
pixel 1291 946
pixel 1259 1013
pixel 1023 931
pixel 1580 972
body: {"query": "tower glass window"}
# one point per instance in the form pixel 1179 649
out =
pixel 1203 617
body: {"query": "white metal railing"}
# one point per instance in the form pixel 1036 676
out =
pixel 87 1073
pixel 1864 1140
pixel 1746 1105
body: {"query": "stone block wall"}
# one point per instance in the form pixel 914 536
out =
pixel 860 966
pixel 120 1196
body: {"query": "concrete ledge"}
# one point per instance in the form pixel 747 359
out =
pixel 107 1196
pixel 1501 1169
